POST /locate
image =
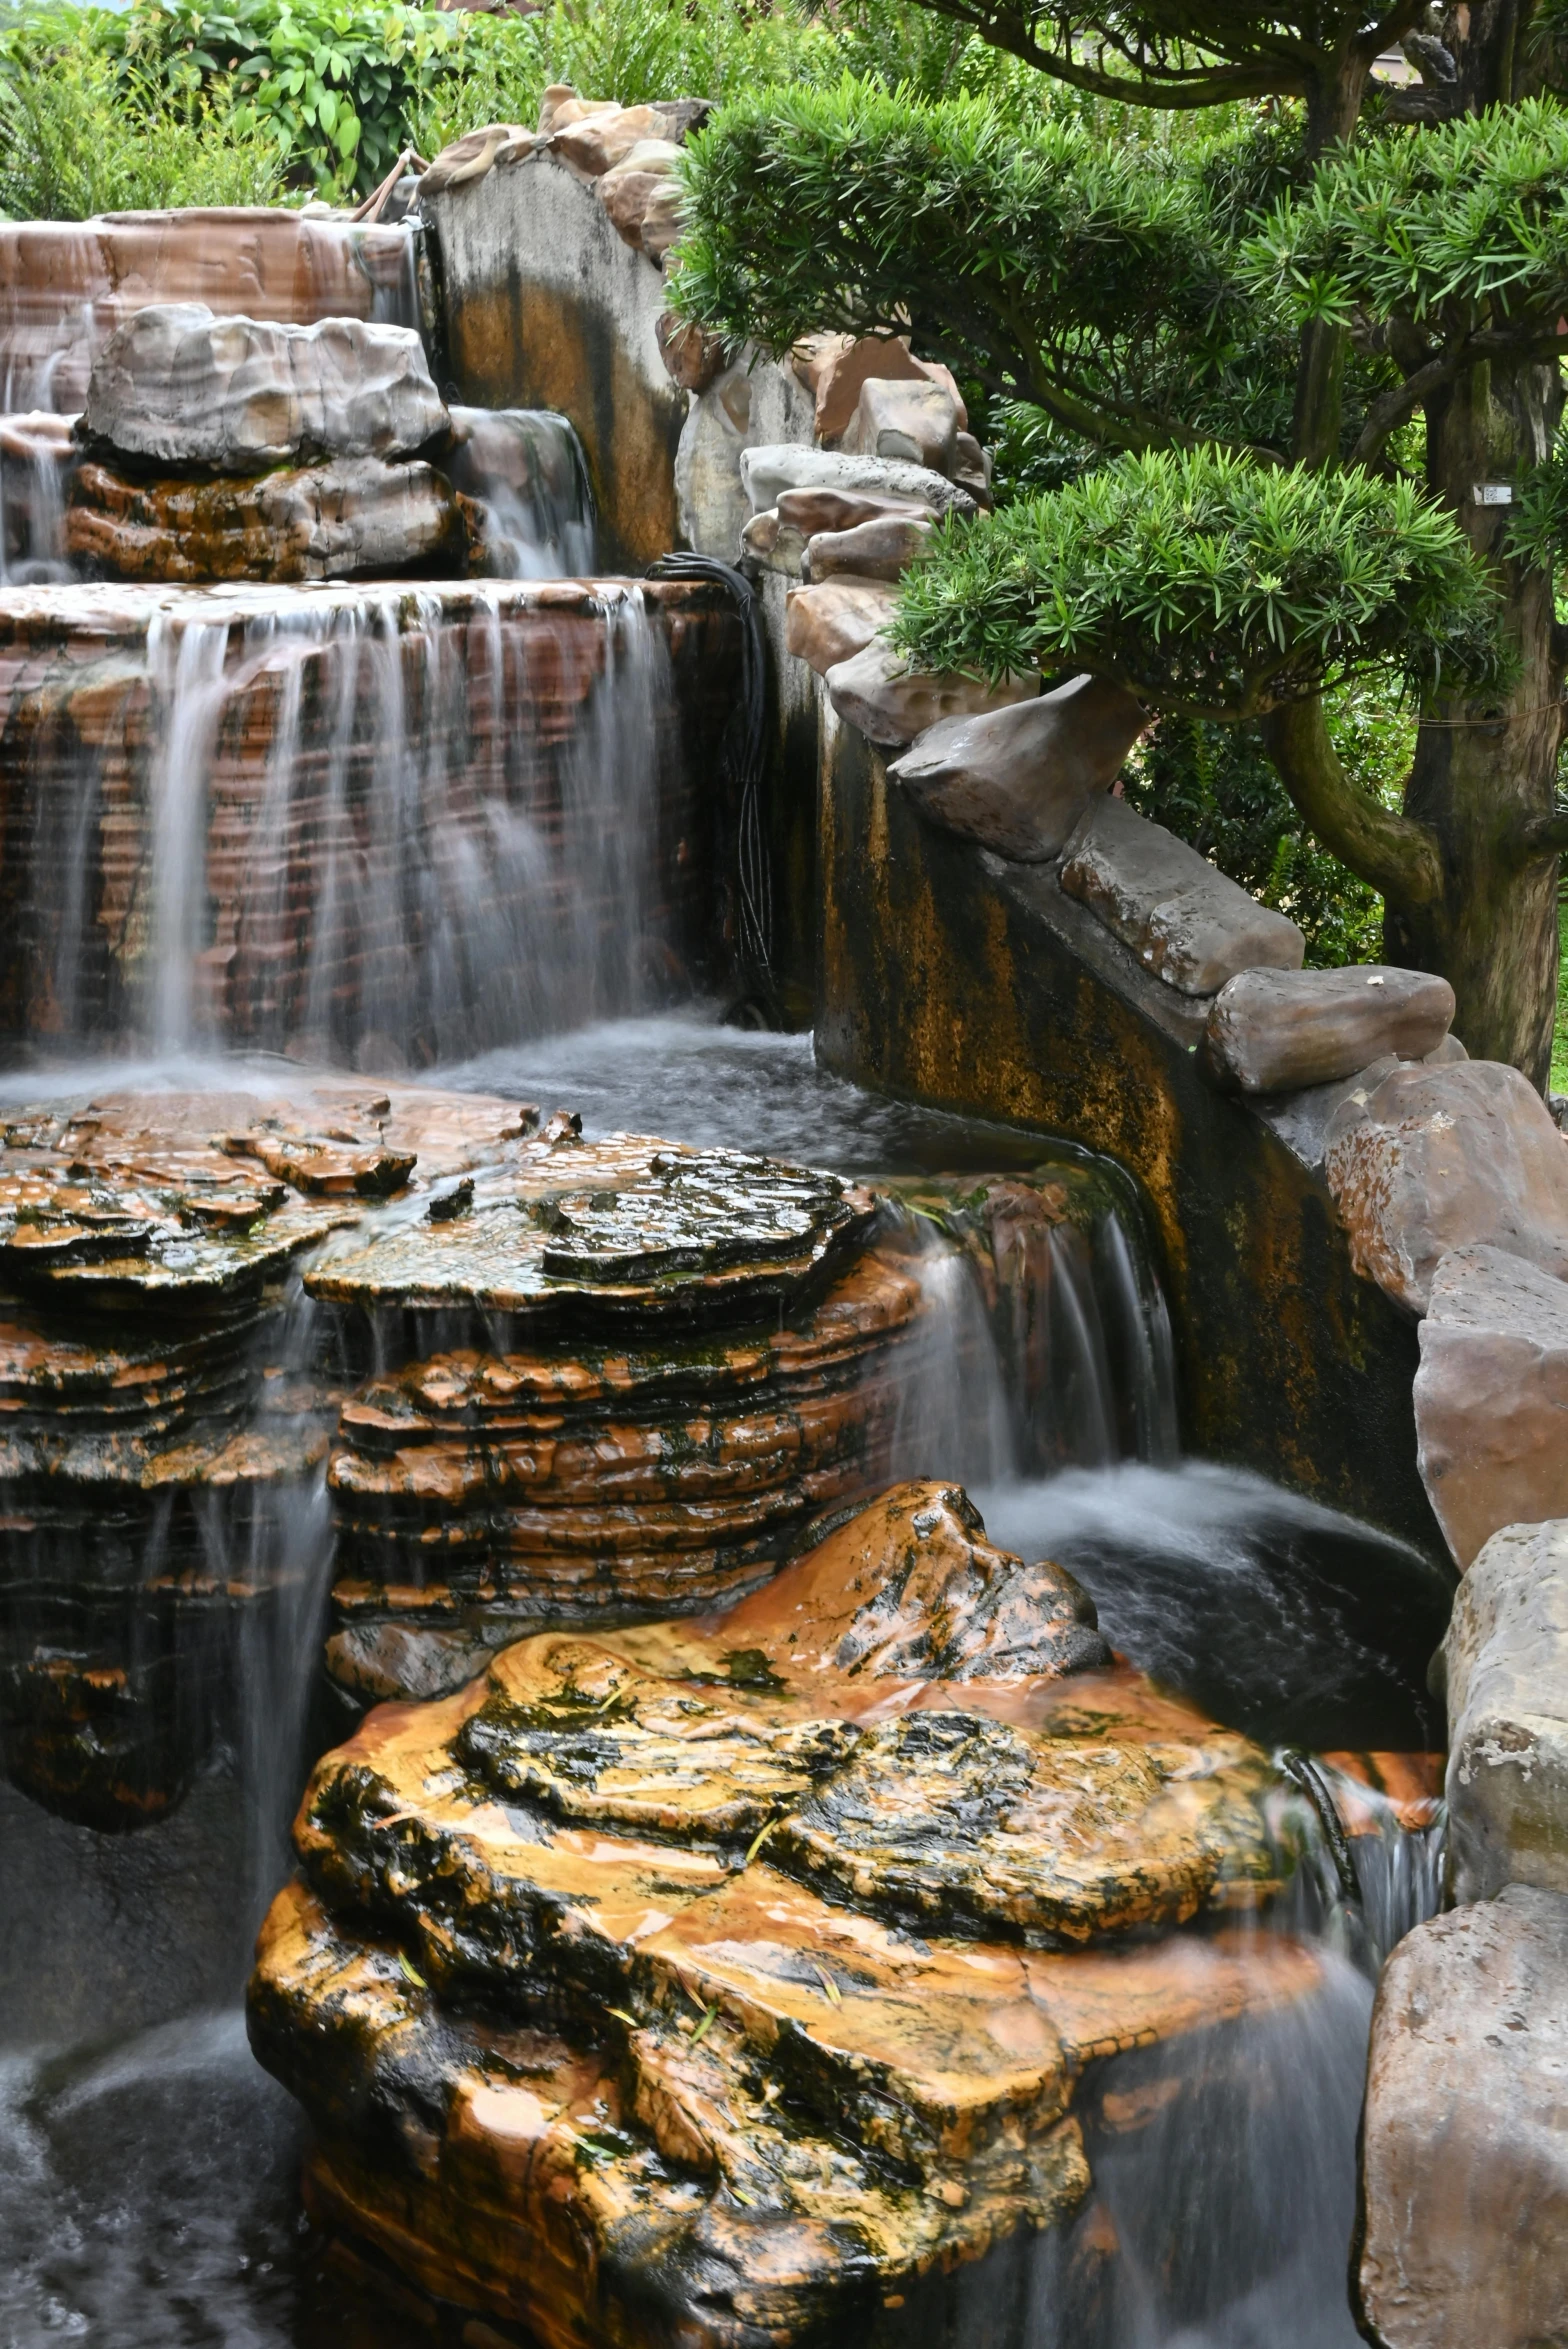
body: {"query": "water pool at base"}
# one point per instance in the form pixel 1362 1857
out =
pixel 148 2175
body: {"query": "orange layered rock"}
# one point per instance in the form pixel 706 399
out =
pixel 708 2102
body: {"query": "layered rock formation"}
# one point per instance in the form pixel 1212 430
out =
pixel 387 823
pixel 163 1434
pixel 567 1932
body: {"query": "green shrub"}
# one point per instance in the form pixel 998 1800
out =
pixel 82 133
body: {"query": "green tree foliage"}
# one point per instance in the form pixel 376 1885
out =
pixel 1277 400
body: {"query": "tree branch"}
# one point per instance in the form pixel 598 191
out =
pixel 1393 853
pixel 1546 836
pixel 1186 88
pixel 1388 412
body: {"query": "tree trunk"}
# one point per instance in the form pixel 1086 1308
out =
pixel 1485 769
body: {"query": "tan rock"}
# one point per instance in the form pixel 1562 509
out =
pixel 478 151
pixel 561 106
pixel 890 704
pixel 1018 779
pixel 1491 1396
pixel 910 423
pixel 771 468
pixel 1446 1157
pixel 829 624
pixel 692 357
pixel 1278 1031
pixel 883 549
pixel 627 189
pixel 1186 921
pixel 664 216
pixel 971 467
pixel 1465 2156
pixel 596 141
pixel 1505 1667
pixel 819 511
pixel 774 544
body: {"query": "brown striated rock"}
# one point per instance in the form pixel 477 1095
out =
pixel 829 624
pixel 752 2109
pixel 835 367
pixel 1447 1157
pixel 879 549
pixel 599 139
pixel 663 218
pixel 1490 1396
pixel 1019 779
pixel 813 512
pixel 66 285
pixel 892 704
pixel 628 188
pixel 317 522
pixel 176 385
pixel 1504 1664
pixel 1278 1031
pixel 693 358
pixel 1465 2158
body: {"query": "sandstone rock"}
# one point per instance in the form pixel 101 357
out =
pixel 833 368
pixel 595 142
pixel 1187 923
pixel 1490 1396
pixel 915 423
pixel 892 704
pixel 627 189
pixel 774 544
pixel 771 469
pixel 1465 2157
pixel 883 549
pixel 478 151
pixel 353 516
pixel 180 387
pixel 1278 1031
pixel 561 106
pixel 1505 1668
pixel 815 512
pixel 692 357
pixel 971 468
pixel 829 624
pixel 621 1834
pixel 1443 1157
pixel 1018 779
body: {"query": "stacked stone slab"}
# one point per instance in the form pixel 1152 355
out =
pixel 159 1446
pixel 796 1994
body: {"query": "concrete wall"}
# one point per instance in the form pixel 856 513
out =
pixel 950 976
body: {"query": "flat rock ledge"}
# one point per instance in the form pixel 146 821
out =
pixel 1491 1396
pixel 795 1933
pixel 1186 921
pixel 1465 2156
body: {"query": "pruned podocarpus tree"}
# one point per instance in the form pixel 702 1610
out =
pixel 1312 368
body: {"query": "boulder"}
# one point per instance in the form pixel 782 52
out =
pixel 883 549
pixel 834 367
pixel 771 469
pixel 627 190
pixel 595 142
pixel 1438 1158
pixel 829 624
pixel 1505 1668
pixel 774 544
pixel 1491 1396
pixel 477 152
pixel 972 468
pixel 561 106
pixel 1187 922
pixel 692 358
pixel 352 517
pixel 829 512
pixel 913 422
pixel 176 386
pixel 663 218
pixel 1278 1031
pixel 1465 2155
pixel 1017 779
pixel 891 704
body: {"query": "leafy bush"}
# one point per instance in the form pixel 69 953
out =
pixel 1216 787
pixel 1208 584
pixel 81 134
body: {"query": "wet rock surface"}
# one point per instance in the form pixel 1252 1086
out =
pixel 177 386
pixel 892 704
pixel 1465 2165
pixel 162 1440
pixel 1490 1395
pixel 1018 780
pixel 571 1918
pixel 1278 1031
pixel 1186 922
pixel 1431 1159
pixel 1505 1664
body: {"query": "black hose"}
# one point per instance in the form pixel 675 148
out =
pixel 743 760
pixel 1306 1774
